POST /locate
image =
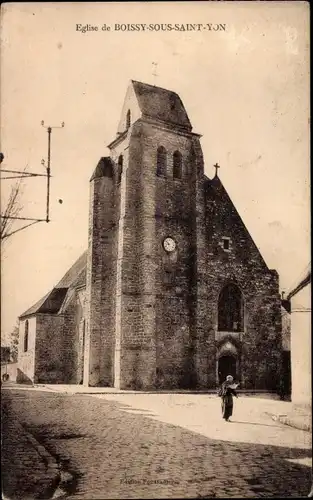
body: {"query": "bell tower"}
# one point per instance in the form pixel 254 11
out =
pixel 151 335
pixel 156 286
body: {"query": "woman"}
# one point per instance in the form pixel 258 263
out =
pixel 226 392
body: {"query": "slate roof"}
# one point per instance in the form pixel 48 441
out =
pixel 104 168
pixel 36 307
pixel 162 104
pixel 304 282
pixel 52 301
pixel 73 273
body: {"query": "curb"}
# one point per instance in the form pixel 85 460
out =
pixel 109 391
pixel 52 466
pixel 296 423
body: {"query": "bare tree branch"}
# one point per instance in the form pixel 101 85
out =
pixel 12 209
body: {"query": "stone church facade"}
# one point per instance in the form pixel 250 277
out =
pixel 172 291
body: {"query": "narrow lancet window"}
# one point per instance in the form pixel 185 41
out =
pixel 26 336
pixel 119 169
pixel 177 165
pixel 161 162
pixel 128 119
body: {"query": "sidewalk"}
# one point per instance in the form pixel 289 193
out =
pixel 297 417
pixel 23 457
pixel 83 389
pixel 284 412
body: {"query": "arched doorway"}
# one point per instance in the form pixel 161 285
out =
pixel 226 366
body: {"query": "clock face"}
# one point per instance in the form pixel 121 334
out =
pixel 169 245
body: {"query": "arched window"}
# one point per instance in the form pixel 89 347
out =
pixel 26 336
pixel 161 161
pixel 192 163
pixel 177 165
pixel 230 309
pixel 119 169
pixel 128 119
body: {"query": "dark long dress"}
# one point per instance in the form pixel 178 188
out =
pixel 227 400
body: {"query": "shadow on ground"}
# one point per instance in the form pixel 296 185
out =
pixel 112 454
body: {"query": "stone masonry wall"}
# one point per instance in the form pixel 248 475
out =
pixel 72 355
pixel 260 342
pixel 152 316
pixel 155 323
pixel 173 278
pixel 167 319
pixel 80 344
pixel 50 355
pixel 134 349
pixel 100 287
pixel 301 347
pixel 59 343
pixel 26 360
pixel 202 341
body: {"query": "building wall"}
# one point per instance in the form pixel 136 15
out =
pixel 101 282
pixel 176 206
pixel 60 342
pixel 301 347
pixel 71 357
pixel 258 346
pixel 153 292
pixel 286 326
pixel 134 352
pixel 152 316
pixel 49 360
pixel 259 342
pixel 165 330
pixel 80 343
pixel 26 359
pixel 285 386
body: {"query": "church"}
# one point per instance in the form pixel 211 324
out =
pixel 172 292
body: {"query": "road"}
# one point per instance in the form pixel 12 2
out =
pixel 167 446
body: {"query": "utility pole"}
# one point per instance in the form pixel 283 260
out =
pixel 49 130
pixel 10 213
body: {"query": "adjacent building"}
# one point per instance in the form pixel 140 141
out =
pixel 301 342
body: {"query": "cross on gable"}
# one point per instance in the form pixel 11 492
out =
pixel 216 166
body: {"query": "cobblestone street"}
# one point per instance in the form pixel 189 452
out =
pixel 164 446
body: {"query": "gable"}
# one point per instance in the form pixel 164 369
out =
pixel 153 102
pixel 161 104
pixel 105 168
pixel 130 104
pixel 224 223
pixel 50 303
pixel 53 300
pixel 74 272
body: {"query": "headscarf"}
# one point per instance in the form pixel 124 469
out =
pixel 229 380
pixel 225 385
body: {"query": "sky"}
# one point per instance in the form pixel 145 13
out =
pixel 245 89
